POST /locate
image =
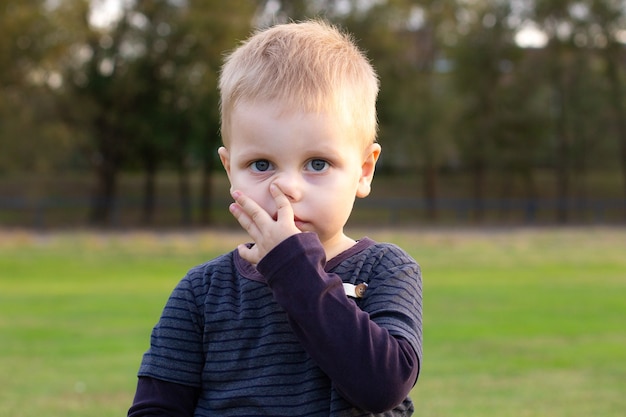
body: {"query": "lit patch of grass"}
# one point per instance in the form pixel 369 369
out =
pixel 526 322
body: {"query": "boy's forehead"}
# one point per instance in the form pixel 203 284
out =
pixel 266 112
pixel 356 126
pixel 283 106
pixel 280 109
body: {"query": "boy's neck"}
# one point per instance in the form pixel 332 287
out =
pixel 337 245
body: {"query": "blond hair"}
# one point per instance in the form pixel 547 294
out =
pixel 309 66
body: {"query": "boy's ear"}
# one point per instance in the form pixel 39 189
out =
pixel 367 170
pixel 225 158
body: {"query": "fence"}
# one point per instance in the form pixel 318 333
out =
pixel 527 211
pixel 73 212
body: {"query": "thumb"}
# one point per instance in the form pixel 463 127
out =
pixel 250 254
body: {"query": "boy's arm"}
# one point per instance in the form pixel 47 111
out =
pixel 368 365
pixel 157 398
pixel 173 365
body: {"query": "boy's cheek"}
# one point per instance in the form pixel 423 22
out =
pixel 254 194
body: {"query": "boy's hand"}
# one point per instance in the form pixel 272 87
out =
pixel 266 232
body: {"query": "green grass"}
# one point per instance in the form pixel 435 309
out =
pixel 521 322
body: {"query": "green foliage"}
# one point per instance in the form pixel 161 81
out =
pixel 143 90
pixel 458 93
pixel 31 138
pixel 517 322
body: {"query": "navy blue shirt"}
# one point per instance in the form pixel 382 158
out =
pixel 284 339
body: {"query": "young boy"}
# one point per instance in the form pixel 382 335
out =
pixel 303 321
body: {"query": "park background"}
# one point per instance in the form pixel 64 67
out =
pixel 503 127
pixel 490 111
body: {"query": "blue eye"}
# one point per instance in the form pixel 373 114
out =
pixel 261 165
pixel 317 165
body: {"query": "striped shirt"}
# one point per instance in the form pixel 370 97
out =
pixel 283 339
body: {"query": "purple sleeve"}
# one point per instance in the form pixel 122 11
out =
pixel 369 367
pixel 157 398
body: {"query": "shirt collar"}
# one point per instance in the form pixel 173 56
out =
pixel 247 270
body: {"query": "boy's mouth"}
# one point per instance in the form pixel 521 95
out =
pixel 296 220
pixel 300 224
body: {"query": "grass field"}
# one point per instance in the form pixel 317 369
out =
pixel 521 322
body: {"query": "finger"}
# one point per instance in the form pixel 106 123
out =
pixel 283 206
pixel 237 211
pixel 249 211
pixel 244 220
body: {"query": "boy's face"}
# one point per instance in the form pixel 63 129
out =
pixel 311 157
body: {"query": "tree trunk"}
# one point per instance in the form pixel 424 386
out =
pixel 530 215
pixel 149 188
pixel 505 194
pixel 184 192
pixel 478 185
pixel 562 158
pixel 617 104
pixel 107 165
pixel 103 200
pixel 430 189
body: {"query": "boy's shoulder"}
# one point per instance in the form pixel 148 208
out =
pixel 374 259
pixel 382 253
pixel 387 248
pixel 220 265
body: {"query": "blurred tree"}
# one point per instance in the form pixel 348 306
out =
pixel 181 47
pixel 432 25
pixel 608 23
pixel 139 92
pixel 213 28
pixel 519 129
pixel 575 91
pixel 97 98
pixel 484 58
pixel 30 137
pixel 406 42
pixel 144 88
pixel 554 17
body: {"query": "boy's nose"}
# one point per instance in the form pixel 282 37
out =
pixel 290 185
